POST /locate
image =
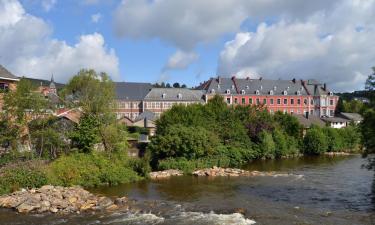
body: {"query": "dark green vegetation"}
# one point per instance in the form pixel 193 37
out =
pixel 58 151
pixel 368 124
pixel 197 136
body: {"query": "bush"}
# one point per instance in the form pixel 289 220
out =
pixel 188 166
pixel 181 141
pixel 314 142
pixel 351 138
pixel 22 175
pixel 335 141
pixel 91 170
pixel 266 145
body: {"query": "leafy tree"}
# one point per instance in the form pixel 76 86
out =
pixel 86 134
pixel 281 144
pixel 266 145
pixel 91 91
pixel 370 82
pixel 182 141
pixel 183 86
pixel 335 141
pixel 20 107
pixel 289 124
pixel 176 85
pixel 368 130
pixel 168 85
pixel 314 141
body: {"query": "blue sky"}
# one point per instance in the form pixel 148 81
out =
pixel 189 41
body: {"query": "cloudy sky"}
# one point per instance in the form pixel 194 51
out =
pixel 190 41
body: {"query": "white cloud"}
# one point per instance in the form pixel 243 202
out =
pixel 96 17
pixel 186 23
pixel 180 60
pixel 27 48
pixel 323 47
pixel 48 4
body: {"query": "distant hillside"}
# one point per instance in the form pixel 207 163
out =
pixel 356 94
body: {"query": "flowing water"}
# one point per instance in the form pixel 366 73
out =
pixel 330 190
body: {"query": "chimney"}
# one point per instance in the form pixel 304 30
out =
pixel 233 77
pixel 218 79
pixel 260 78
pixel 307 115
pixel 294 80
pixel 247 78
pixel 325 87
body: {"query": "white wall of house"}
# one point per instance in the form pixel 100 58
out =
pixel 338 125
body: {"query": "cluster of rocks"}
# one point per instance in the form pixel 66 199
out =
pixel 337 153
pixel 165 174
pixel 232 172
pixel 56 199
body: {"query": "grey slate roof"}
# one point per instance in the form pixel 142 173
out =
pixel 335 119
pixel 172 94
pixel 312 120
pixel 251 86
pixel 352 116
pixel 131 91
pixel 5 74
pixel 148 115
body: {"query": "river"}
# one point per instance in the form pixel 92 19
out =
pixel 331 190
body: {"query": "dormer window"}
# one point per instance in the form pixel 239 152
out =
pixel 247 87
pixel 163 95
pixel 227 91
pixel 242 92
pixel 271 92
pixel 212 90
pixel 330 93
pixel 257 92
pixel 298 92
pixel 179 96
pixel 232 86
pixel 285 93
pixel 274 88
pixel 261 87
pixel 218 86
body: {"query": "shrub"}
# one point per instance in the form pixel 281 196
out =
pixel 266 145
pixel 22 175
pixel 181 141
pixel 334 139
pixel 91 170
pixel 314 142
pixel 351 137
pixel 188 166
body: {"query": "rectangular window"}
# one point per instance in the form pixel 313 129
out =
pixel 250 101
pixel 271 101
pixel 285 101
pixel 311 102
pixel 298 101
pixel 4 87
pixel 243 101
pixel 235 101
pixel 298 111
pixel 331 112
pixel 258 101
pixel 157 105
pixel 228 100
pixel 278 101
pixel 292 101
pixel 264 101
pixel 331 102
pixel 305 101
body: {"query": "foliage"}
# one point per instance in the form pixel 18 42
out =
pixel 267 147
pixel 21 175
pixel 315 142
pixel 370 82
pixel 85 135
pixel 188 166
pixel 368 130
pixel 92 169
pixel 335 141
pixel 182 141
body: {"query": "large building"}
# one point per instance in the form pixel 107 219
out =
pixel 288 96
pixel 132 99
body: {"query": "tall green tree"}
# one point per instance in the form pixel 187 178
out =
pixel 22 106
pixel 370 82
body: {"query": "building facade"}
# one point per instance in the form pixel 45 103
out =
pixel 288 96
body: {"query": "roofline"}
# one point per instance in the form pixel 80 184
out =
pixel 13 79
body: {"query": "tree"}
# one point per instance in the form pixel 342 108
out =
pixel 22 106
pixel 314 142
pixel 368 130
pixel 94 94
pixel 182 141
pixel 266 145
pixel 370 82
pixel 183 86
pixel 168 85
pixel 176 85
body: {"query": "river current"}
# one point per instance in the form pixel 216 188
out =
pixel 330 190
